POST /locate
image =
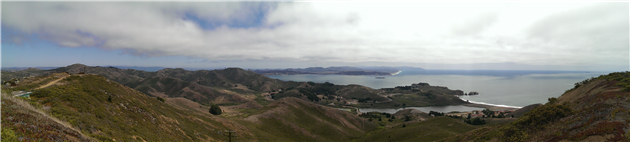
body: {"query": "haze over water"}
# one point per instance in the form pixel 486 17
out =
pixel 509 88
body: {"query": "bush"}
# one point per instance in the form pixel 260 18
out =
pixel 160 99
pixel 215 109
pixel 476 121
pixel 8 135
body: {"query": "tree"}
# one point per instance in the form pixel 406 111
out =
pixel 215 109
pixel 407 118
pixel 488 112
pixel 404 125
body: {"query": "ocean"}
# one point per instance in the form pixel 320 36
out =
pixel 511 88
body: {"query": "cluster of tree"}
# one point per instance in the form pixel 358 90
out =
pixel 435 113
pixel 578 84
pixel 310 95
pixel 475 121
pixel 403 87
pixel 376 115
pixel 488 112
pixel 364 100
pixel 428 95
pixel 215 109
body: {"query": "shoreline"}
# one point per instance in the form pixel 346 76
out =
pixel 399 71
pixel 491 107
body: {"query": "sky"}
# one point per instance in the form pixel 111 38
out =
pixel 587 36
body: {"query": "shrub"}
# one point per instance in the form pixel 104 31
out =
pixel 8 135
pixel 160 99
pixel 215 109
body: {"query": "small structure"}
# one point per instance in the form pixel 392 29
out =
pixel 21 94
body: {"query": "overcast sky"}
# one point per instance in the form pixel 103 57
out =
pixel 453 35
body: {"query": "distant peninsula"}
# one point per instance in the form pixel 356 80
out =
pixel 344 70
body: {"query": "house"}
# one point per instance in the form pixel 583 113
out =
pixel 21 94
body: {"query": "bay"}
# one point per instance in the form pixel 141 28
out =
pixel 495 87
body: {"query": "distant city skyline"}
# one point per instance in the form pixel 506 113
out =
pixel 582 36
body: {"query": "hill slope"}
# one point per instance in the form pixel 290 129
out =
pixel 108 111
pixel 292 119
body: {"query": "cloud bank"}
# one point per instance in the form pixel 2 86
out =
pixel 346 32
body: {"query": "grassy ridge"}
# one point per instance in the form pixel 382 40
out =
pixel 109 111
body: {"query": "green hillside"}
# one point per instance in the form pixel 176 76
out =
pixel 108 111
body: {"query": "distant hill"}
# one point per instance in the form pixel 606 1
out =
pixel 233 86
pixel 345 70
pixel 595 109
pixel 200 86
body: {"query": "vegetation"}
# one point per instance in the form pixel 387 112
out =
pixel 84 103
pixel 8 135
pixel 215 109
pixel 475 121
pixel 622 79
pixel 433 129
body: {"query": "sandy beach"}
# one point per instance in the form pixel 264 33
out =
pixel 491 107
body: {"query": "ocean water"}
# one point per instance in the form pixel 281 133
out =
pixel 500 88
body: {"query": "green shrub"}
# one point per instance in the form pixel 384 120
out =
pixel 215 109
pixel 8 135
pixel 160 99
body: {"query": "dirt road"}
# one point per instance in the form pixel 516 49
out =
pixel 52 82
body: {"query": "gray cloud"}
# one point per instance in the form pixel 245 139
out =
pixel 427 33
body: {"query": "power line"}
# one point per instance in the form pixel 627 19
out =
pixel 229 135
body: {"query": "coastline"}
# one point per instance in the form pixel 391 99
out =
pixel 491 107
pixel 399 71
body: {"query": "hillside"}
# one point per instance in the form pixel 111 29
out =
pixel 596 109
pixel 292 119
pixel 108 111
pixel 23 122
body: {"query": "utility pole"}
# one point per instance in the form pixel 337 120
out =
pixel 229 135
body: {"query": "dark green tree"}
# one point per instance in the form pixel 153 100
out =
pixel 488 112
pixel 215 109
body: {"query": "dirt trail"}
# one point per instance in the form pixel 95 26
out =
pixel 52 82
